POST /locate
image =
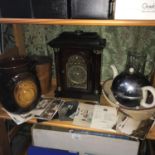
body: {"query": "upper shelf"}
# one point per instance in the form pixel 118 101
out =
pixel 93 22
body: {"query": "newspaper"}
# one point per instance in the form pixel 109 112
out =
pixel 87 115
pixel 104 117
pixel 110 119
pixel 134 128
pixel 96 116
pixel 83 115
pixel 46 109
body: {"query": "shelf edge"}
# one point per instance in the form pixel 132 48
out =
pixel 83 22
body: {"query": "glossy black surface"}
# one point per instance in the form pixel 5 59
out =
pixel 15 8
pixel 126 88
pixel 78 39
pixel 96 9
pixel 50 8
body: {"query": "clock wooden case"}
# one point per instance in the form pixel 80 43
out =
pixel 78 64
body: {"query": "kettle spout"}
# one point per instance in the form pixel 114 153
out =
pixel 115 71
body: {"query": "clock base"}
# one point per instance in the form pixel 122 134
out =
pixel 78 95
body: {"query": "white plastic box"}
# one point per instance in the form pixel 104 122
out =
pixel 134 9
pixel 84 143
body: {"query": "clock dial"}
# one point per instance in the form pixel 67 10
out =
pixel 76 72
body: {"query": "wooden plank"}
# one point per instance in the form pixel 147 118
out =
pixel 94 22
pixel 19 39
pixel 70 125
pixel 151 134
pixel 58 123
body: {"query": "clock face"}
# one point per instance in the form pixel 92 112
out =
pixel 76 72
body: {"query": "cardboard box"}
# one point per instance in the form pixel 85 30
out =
pixel 83 142
pixel 131 9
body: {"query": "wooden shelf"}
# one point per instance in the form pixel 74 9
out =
pixel 57 123
pixel 83 22
pixel 62 124
pixel 70 125
pixel 93 22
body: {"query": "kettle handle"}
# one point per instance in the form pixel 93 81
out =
pixel 143 102
pixel 115 71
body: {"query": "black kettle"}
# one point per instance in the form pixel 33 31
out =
pixel 130 88
pixel 19 86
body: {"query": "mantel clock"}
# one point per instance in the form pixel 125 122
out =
pixel 78 64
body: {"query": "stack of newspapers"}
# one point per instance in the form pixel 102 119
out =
pixel 46 109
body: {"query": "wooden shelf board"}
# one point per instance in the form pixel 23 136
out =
pixel 70 125
pixel 93 22
pixel 58 123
